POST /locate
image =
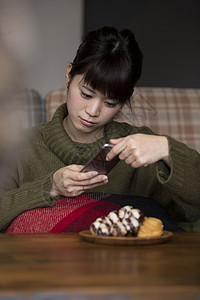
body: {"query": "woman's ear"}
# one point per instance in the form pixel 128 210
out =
pixel 68 74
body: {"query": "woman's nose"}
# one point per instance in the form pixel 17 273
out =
pixel 93 108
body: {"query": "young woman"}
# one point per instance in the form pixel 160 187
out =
pixel 100 81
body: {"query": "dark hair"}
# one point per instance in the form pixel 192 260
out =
pixel 111 62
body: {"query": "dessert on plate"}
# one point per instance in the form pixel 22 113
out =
pixel 127 222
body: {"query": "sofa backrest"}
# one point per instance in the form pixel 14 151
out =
pixel 170 111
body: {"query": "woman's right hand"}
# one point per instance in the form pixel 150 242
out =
pixel 70 182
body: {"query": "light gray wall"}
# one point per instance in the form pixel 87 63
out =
pixel 59 26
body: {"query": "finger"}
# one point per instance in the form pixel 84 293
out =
pixel 78 168
pixel 116 141
pixel 124 155
pixel 116 150
pixel 86 181
pixel 74 167
pixel 138 163
pixel 135 164
pixel 80 189
pixel 96 184
pixel 95 180
pixel 80 176
pixel 90 186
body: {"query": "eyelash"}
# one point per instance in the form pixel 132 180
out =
pixel 87 96
pixel 109 104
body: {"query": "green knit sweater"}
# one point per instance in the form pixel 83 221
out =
pixel 50 148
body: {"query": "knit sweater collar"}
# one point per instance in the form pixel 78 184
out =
pixel 57 139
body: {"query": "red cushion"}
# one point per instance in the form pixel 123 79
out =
pixel 67 215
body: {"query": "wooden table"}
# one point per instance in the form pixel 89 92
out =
pixel 33 264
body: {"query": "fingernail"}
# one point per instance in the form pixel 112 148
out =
pixel 104 178
pixel 95 173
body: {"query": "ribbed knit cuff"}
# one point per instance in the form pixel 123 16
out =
pixel 174 175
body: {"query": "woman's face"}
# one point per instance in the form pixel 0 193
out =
pixel 88 111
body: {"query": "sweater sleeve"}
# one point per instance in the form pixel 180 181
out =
pixel 182 179
pixel 15 200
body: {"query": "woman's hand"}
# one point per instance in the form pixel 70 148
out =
pixel 140 150
pixel 70 182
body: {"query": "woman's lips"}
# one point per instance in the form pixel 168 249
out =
pixel 86 122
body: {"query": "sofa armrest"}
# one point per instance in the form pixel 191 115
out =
pixel 32 107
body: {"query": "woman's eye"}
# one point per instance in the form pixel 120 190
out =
pixel 111 104
pixel 86 96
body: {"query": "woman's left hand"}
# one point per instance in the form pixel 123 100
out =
pixel 140 150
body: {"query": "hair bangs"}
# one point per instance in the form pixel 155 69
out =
pixel 113 80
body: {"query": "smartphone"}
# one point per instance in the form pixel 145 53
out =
pixel 98 162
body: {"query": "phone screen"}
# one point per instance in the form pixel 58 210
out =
pixel 98 162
